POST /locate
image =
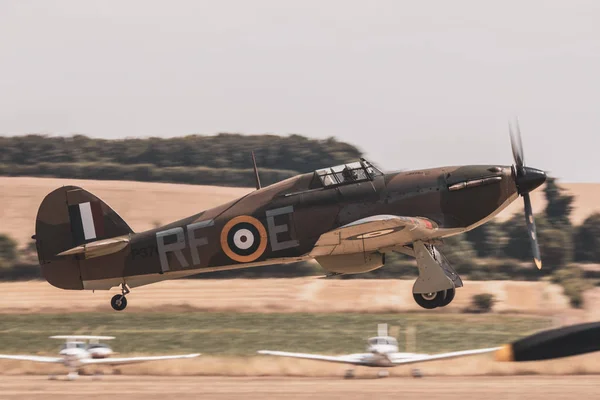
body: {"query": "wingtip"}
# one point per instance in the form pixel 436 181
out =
pixel 538 263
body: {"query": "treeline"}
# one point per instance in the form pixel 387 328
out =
pixel 222 159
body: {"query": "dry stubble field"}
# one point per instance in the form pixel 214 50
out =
pixel 310 294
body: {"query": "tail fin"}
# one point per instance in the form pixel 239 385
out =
pixel 68 217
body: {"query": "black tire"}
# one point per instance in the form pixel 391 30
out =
pixel 448 298
pixel 118 302
pixel 430 303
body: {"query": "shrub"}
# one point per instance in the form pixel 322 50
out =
pixel 574 284
pixel 482 303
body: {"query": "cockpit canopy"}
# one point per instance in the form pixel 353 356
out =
pixel 74 345
pixel 383 340
pixel 344 174
pixel 83 345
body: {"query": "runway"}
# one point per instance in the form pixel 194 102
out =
pixel 182 388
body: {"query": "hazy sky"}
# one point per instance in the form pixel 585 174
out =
pixel 412 83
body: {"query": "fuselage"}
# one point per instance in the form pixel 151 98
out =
pixel 282 222
pixel 74 352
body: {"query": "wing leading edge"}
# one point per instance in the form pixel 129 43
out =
pixel 374 233
pixel 39 359
pixel 134 360
pixel 356 359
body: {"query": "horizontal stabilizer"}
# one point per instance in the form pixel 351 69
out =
pixel 99 248
pixel 82 337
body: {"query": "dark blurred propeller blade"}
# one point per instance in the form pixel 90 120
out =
pixel 524 185
pixel 532 232
pixel 554 343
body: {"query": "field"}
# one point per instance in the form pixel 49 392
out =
pixel 144 205
pixel 183 388
pixel 311 294
pixel 228 342
pixel 242 334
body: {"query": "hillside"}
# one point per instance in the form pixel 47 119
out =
pixel 222 159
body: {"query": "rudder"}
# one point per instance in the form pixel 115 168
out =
pixel 68 217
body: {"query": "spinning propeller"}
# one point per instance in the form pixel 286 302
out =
pixel 526 180
pixel 554 343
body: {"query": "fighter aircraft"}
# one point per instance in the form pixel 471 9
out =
pixel 83 350
pixel 545 345
pixel 346 217
pixel 382 352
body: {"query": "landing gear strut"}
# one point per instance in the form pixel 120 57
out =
pixel 437 281
pixel 119 302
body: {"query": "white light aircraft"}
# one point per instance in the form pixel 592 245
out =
pixel 382 352
pixel 84 350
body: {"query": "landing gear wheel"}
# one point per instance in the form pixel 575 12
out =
pixel 118 302
pixel 429 300
pixel 449 297
pixel 349 374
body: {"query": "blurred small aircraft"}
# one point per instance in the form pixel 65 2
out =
pixel 346 217
pixel 382 352
pixel 545 345
pixel 83 350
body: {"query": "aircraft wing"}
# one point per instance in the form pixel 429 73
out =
pixel 39 359
pixel 356 359
pixel 399 359
pixel 133 360
pixel 373 233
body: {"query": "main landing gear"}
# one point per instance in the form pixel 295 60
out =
pixel 435 299
pixel 437 281
pixel 119 302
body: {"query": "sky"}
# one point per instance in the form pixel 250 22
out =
pixel 413 84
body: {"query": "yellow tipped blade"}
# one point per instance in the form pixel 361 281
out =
pixel 505 353
pixel 538 263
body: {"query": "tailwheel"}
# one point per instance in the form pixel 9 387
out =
pixel 119 302
pixel 429 300
pixel 449 296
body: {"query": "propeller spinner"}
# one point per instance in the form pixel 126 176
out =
pixel 526 179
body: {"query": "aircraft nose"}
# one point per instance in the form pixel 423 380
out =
pixel 530 179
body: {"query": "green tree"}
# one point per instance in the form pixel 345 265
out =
pixel 8 249
pixel 587 239
pixel 488 240
pixel 559 204
pixel 556 244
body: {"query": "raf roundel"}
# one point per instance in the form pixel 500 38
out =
pixel 244 239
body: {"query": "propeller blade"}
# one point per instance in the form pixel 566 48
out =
pixel 517 146
pixel 532 232
pixel 554 343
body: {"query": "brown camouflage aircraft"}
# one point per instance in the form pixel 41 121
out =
pixel 345 217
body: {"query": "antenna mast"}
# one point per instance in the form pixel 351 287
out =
pixel 255 172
